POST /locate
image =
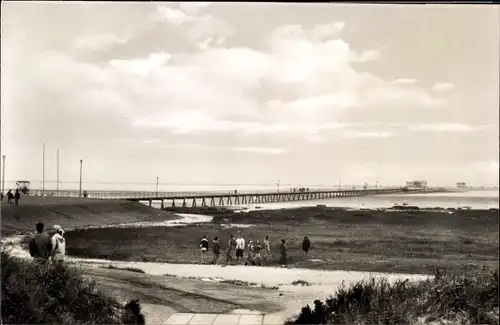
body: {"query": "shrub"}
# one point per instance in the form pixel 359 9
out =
pixel 52 293
pixel 460 298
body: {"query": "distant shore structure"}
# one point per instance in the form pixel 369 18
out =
pixel 416 184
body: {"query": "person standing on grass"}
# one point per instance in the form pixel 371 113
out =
pixel 215 250
pixel 17 196
pixel 40 246
pixel 283 255
pixel 306 245
pixel 267 248
pixel 231 247
pixel 58 244
pixel 204 248
pixel 240 247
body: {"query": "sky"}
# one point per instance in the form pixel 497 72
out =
pixel 248 93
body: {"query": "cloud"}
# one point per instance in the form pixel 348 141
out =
pixel 443 86
pixel 301 85
pixel 403 81
pixel 448 127
pixel 199 27
pixel 368 55
pixel 351 134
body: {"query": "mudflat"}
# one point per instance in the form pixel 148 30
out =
pixel 73 213
pixel 367 240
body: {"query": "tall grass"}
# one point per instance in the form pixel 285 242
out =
pixel 52 293
pixel 449 297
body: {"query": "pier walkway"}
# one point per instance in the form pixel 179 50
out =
pixel 235 198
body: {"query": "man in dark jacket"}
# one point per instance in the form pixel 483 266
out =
pixel 215 250
pixel 40 246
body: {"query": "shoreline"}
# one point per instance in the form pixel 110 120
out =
pixel 402 208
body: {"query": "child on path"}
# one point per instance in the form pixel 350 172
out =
pixel 240 247
pixel 231 247
pixel 215 250
pixel 204 248
pixel 306 245
pixel 267 248
pixel 283 255
pixel 257 248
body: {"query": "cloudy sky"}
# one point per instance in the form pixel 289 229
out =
pixel 248 93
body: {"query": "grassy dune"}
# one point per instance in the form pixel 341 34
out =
pixel 410 242
pixel 73 212
pixel 449 298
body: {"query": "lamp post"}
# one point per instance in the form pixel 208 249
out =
pixel 278 186
pixel 3 173
pixel 57 183
pixel 81 167
pixel 157 185
pixel 43 170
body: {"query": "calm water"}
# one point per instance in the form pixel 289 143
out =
pixel 474 199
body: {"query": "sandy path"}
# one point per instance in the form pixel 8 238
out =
pixel 290 297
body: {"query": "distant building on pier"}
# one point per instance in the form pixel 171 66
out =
pixel 416 184
pixel 461 185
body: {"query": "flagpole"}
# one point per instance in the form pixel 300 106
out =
pixel 43 171
pixel 57 170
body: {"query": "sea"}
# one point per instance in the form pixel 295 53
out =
pixel 474 199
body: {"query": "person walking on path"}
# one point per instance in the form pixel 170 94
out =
pixel 10 196
pixel 267 248
pixel 58 244
pixel 257 248
pixel 17 197
pixel 215 250
pixel 306 245
pixel 283 256
pixel 231 247
pixel 40 245
pixel 204 248
pixel 240 247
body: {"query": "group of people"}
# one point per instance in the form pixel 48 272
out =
pixel 12 196
pixel 256 252
pixel 44 247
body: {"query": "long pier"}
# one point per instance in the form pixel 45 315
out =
pixel 235 198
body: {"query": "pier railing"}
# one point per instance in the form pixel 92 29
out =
pixel 146 195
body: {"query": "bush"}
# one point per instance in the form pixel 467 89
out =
pixel 52 293
pixel 460 298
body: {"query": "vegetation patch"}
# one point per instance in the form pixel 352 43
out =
pixel 52 293
pixel 450 297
